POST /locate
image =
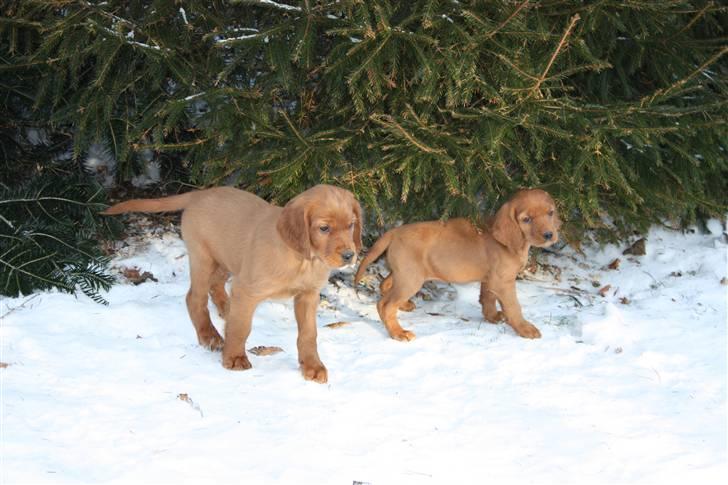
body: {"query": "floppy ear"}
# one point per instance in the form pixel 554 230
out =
pixel 293 226
pixel 505 229
pixel 357 225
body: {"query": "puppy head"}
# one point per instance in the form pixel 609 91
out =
pixel 528 218
pixel 323 222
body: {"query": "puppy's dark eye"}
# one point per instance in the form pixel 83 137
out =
pixel 324 229
pixel 551 213
pixel 526 220
pixel 351 226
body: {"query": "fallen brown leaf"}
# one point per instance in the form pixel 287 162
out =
pixel 135 276
pixel 531 265
pixel 638 248
pixel 604 289
pixel 614 264
pixel 3 365
pixel 624 300
pixel 724 281
pixel 186 398
pixel 337 324
pixel 264 350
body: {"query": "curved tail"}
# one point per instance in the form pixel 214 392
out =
pixel 165 204
pixel 374 252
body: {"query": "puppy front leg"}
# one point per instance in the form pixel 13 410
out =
pixel 237 328
pixel 305 305
pixel 487 301
pixel 506 294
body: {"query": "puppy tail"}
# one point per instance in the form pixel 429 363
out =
pixel 374 252
pixel 165 204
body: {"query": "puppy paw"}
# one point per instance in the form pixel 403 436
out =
pixel 403 335
pixel 494 317
pixel 236 362
pixel 315 372
pixel 407 306
pixel 527 330
pixel 210 340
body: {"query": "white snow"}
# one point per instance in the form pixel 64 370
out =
pixel 615 392
pixel 152 169
pixel 240 37
pixel 281 6
pixel 128 39
pixel 100 163
pixel 193 96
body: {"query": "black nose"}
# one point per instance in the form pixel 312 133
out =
pixel 347 255
pixel 548 235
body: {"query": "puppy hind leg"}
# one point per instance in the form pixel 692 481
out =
pixel 217 290
pixel 487 301
pixel 386 285
pixel 391 301
pixel 408 306
pixel 201 270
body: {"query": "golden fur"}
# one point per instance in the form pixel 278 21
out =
pixel 455 251
pixel 270 251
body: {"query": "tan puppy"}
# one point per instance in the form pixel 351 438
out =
pixel 271 252
pixel 455 251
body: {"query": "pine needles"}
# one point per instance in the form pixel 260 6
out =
pixel 427 108
pixel 49 237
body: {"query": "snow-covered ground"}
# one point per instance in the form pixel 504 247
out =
pixel 622 388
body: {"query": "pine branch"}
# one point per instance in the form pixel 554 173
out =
pixel 388 121
pixel 708 6
pixel 269 4
pixel 39 199
pixel 663 93
pixel 535 90
pixel 520 7
pixel 448 106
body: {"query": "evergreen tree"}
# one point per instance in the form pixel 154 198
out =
pixel 49 226
pixel 426 108
pixel 49 237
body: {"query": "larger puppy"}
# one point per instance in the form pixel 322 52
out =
pixel 457 252
pixel 271 252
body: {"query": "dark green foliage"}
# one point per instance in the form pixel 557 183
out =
pixel 49 236
pixel 424 108
pixel 49 230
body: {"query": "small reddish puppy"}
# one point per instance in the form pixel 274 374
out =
pixel 455 251
pixel 270 251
